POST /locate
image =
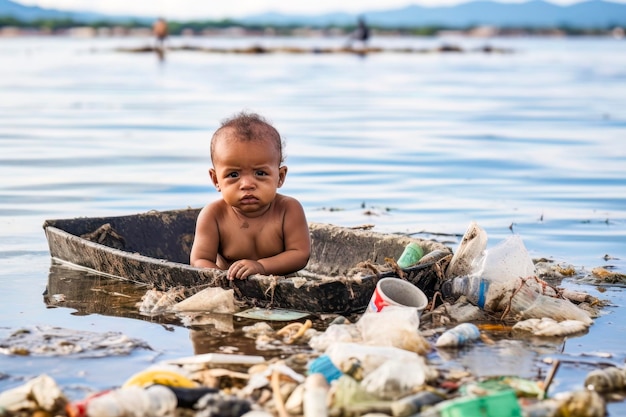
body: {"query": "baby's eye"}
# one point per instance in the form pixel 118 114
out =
pixel 261 173
pixel 232 175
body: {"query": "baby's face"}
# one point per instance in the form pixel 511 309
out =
pixel 247 173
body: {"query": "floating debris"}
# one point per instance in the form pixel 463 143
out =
pixel 460 335
pixel 57 341
pixel 549 327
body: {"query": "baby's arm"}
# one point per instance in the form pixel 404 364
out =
pixel 206 240
pixel 296 253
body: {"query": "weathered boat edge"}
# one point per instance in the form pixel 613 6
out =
pixel 341 295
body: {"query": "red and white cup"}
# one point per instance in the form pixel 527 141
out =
pixel 396 292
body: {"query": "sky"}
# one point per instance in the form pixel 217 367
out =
pixel 207 9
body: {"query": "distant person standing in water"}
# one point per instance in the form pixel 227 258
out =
pixel 361 34
pixel 160 32
pixel 252 229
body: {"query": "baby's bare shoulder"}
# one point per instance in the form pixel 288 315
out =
pixel 285 201
pixel 214 210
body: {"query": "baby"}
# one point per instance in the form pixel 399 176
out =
pixel 252 229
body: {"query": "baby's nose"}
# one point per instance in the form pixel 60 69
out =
pixel 247 181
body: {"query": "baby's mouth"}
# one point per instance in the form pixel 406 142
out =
pixel 249 199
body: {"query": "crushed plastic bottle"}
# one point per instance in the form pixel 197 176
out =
pixel 471 247
pixel 528 303
pixel 523 298
pixel 460 335
pixel 133 401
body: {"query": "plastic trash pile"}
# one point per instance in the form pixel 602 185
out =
pixel 380 364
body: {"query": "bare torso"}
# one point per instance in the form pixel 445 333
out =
pixel 250 238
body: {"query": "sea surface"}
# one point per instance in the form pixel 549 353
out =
pixel 529 142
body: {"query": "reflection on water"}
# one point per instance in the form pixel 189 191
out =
pixel 528 143
pixel 89 293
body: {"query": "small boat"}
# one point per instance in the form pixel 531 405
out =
pixel 153 248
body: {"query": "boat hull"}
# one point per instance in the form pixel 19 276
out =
pixel 153 248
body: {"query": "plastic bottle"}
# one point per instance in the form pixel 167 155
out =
pixel 474 288
pixel 133 401
pixel 494 276
pixel 323 365
pixel 527 303
pixel 460 335
pixel 315 394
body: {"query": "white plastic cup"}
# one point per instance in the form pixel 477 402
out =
pixel 396 292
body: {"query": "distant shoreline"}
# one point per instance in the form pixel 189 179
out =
pixel 10 27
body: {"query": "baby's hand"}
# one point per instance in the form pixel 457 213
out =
pixel 243 268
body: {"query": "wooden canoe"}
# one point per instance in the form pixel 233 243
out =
pixel 154 247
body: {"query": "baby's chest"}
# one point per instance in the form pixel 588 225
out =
pixel 253 244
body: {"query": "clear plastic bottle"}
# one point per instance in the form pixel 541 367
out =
pixel 472 287
pixel 528 303
pixel 457 336
pixel 494 276
pixel 133 401
pixel 523 298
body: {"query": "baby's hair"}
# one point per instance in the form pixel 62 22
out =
pixel 250 127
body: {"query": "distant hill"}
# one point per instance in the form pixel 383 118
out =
pixel 534 13
pixel 30 13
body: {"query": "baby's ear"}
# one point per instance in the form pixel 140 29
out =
pixel 213 176
pixel 282 173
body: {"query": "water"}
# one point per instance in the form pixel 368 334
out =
pixel 530 142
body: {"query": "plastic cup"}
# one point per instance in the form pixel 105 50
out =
pixel 411 255
pixel 396 292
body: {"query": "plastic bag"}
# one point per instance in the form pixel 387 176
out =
pixel 507 260
pixel 393 326
pixel 213 299
pixel 397 378
pixel 335 333
pixel 370 357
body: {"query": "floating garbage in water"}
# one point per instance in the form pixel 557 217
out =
pixel 549 327
pixel 397 378
pixel 606 380
pixel 503 280
pixel 40 393
pixel 211 299
pixel 160 375
pixel 379 364
pixel 155 302
pixel 274 314
pixel 608 276
pixel 155 400
pixel 57 341
pixel 460 335
pixel 394 326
